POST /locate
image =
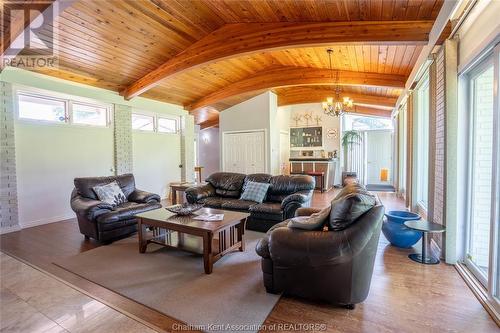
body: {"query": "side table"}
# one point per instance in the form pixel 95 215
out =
pixel 425 227
pixel 181 187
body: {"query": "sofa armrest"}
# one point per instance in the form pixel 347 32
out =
pixel 88 207
pixel 194 194
pixel 296 247
pixel 302 197
pixel 143 197
pixel 306 211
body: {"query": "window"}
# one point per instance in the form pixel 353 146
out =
pixel 481 96
pixel 142 122
pixel 481 252
pixel 423 142
pixel 42 108
pixel 61 110
pixel 89 114
pixel 167 125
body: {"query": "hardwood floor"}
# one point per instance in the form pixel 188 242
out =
pixel 404 296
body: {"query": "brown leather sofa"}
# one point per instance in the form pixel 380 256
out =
pixel 102 221
pixel 331 266
pixel 285 195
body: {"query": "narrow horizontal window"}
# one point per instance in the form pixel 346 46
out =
pixel 40 108
pixel 89 114
pixel 167 125
pixel 142 122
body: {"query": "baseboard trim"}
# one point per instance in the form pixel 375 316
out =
pixel 46 221
pixel 478 291
pixel 6 230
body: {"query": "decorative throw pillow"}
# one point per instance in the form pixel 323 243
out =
pixel 110 193
pixel 352 202
pixel 313 222
pixel 255 191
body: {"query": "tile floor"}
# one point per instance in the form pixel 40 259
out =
pixel 32 301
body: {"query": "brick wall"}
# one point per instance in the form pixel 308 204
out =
pixel 439 132
pixel 8 183
pixel 123 139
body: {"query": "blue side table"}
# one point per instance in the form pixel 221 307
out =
pixel 425 227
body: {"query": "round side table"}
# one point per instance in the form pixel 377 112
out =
pixel 425 227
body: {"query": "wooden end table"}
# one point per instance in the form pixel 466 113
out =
pixel 219 237
pixel 181 187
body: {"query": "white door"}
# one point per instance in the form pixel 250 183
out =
pixel 378 157
pixel 284 153
pixel 244 152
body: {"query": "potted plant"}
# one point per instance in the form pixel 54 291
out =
pixel 350 139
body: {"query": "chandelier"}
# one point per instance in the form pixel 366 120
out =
pixel 336 107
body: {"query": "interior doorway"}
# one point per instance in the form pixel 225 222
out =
pixel 284 153
pixel 378 157
pixel 372 156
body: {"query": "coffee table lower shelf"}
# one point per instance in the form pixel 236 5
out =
pixel 213 245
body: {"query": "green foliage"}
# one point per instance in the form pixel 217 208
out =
pixel 351 138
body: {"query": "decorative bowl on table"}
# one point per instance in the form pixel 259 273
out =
pixel 184 209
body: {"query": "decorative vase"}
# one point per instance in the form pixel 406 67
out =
pixel 396 232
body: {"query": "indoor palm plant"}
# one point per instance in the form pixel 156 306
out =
pixel 349 139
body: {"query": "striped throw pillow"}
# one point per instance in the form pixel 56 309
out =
pixel 255 191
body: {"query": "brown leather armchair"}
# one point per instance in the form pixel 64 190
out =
pixel 331 266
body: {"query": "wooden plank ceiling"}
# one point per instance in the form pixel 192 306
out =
pixel 115 44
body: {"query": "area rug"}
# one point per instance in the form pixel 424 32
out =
pixel 173 282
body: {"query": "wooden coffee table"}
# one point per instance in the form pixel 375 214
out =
pixel 218 238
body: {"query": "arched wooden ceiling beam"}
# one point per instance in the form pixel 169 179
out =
pixel 369 111
pixel 311 95
pixel 243 38
pixel 297 76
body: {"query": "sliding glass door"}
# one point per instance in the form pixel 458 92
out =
pixel 483 183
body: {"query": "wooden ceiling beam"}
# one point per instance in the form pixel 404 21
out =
pixel 297 76
pixel 309 95
pixel 244 38
pixel 370 111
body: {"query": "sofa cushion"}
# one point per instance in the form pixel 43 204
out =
pixel 125 211
pixel 212 202
pixel 237 204
pixel 84 185
pixel 110 193
pixel 227 184
pixel 314 221
pixel 267 210
pixel 255 191
pixel 350 204
pixel 282 186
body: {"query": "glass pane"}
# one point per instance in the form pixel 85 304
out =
pixel 364 123
pixel 89 115
pixel 481 169
pixel 142 122
pixel 39 108
pixel 423 144
pixel 166 125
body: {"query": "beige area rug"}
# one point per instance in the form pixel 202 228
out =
pixel 173 282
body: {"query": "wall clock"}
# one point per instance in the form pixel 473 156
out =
pixel 332 133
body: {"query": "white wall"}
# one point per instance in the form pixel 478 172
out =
pixel 257 113
pixel 156 158
pixel 48 158
pixel 209 151
pixel 327 122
